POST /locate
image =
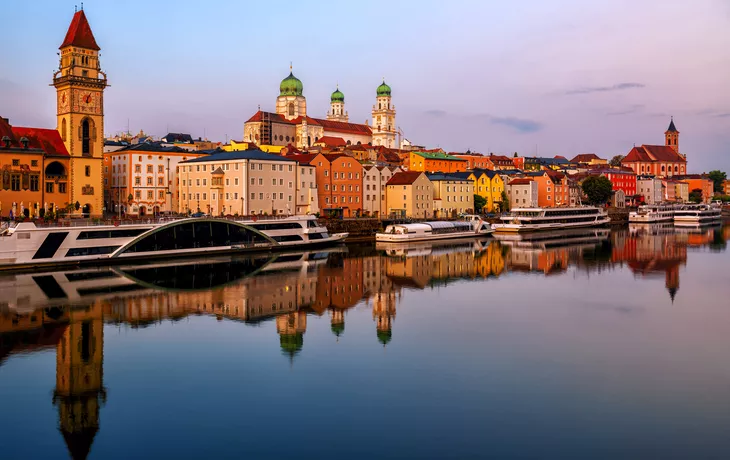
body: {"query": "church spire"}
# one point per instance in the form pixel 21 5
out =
pixel 672 128
pixel 79 33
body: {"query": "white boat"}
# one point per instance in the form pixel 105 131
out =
pixel 651 213
pixel 537 219
pixel 436 247
pixel 471 227
pixel 693 214
pixel 24 245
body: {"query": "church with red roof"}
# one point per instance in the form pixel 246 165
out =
pixel 658 160
pixel 290 123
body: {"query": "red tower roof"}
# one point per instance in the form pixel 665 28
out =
pixel 79 33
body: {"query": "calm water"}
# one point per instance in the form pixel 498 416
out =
pixel 593 344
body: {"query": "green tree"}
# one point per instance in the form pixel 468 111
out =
pixel 597 189
pixel 504 205
pixel 479 203
pixel 695 196
pixel 718 177
pixel 616 161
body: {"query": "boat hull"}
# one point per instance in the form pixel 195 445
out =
pixel 404 238
pixel 523 228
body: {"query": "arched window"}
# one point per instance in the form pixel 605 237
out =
pixel 86 137
pixel 662 168
pixel 380 105
pixel 63 129
pixel 291 109
pixel 675 168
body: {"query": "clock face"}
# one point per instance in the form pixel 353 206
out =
pixel 87 101
pixel 63 101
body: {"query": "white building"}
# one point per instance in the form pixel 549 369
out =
pixel 650 188
pixel 373 184
pixel 522 193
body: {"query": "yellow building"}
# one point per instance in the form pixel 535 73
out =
pixel 488 184
pixel 409 194
pixel 451 194
pixel 80 87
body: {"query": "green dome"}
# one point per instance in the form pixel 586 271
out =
pixel 338 329
pixel 291 344
pixel 337 96
pixel 383 89
pixel 291 86
pixel 385 336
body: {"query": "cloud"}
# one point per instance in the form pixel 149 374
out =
pixel 435 113
pixel 518 124
pixel 631 109
pixel 601 89
pixel 722 115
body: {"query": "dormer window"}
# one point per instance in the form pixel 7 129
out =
pixel 24 142
pixel 6 142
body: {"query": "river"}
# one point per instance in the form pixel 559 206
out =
pixel 598 344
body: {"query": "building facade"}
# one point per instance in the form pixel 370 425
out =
pixel 374 180
pixel 80 85
pixel 435 162
pixel 658 160
pixel 409 194
pixel 339 182
pixel 650 188
pixel 249 182
pixel 451 194
pixel 522 193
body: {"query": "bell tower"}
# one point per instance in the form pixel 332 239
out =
pixel 383 126
pixel 80 85
pixel 337 107
pixel 671 136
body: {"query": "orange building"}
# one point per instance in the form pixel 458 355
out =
pixel 474 160
pixel 34 164
pixel 553 188
pixel 435 162
pixel 339 180
pixel 701 182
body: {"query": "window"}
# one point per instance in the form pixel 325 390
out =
pixel 149 169
pixel 291 184
pixel 34 183
pixel 149 181
pixel 161 195
pixel 137 194
pixel 291 168
pixel 138 168
pixel 281 182
pixel 235 181
pixel 228 196
pixel 87 171
pixel 205 196
pixel 261 181
pixel 326 173
pixel 273 181
pixel 160 169
pixel 61 187
pixel 137 180
pixel 49 187
pixel 261 196
pixel 205 182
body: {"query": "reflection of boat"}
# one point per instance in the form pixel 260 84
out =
pixel 25 245
pixel 696 227
pixel 658 228
pixel 534 219
pixel 692 214
pixel 472 227
pixel 555 239
pixel 650 213
pixel 425 248
pixel 78 287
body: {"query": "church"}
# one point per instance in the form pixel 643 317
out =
pixel 290 124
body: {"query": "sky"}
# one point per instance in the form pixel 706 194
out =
pixel 557 77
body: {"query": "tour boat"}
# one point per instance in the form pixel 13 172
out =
pixel 573 238
pixel 535 219
pixel 651 213
pixel 24 245
pixel 693 214
pixel 472 226
pixel 437 247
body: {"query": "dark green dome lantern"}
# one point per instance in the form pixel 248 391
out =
pixel 291 86
pixel 337 96
pixel 383 89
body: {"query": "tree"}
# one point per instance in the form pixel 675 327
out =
pixel 597 189
pixel 695 196
pixel 504 205
pixel 616 161
pixel 718 177
pixel 479 203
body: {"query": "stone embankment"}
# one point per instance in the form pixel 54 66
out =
pixel 618 215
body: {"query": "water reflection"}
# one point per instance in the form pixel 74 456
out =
pixel 67 310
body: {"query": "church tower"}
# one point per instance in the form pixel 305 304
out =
pixel 291 103
pixel 80 85
pixel 80 389
pixel 671 136
pixel 337 107
pixel 383 314
pixel 383 126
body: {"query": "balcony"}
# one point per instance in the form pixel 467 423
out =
pixel 95 82
pixel 56 177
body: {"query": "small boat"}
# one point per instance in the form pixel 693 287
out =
pixel 651 213
pixel 538 219
pixel 693 214
pixel 25 245
pixel 471 227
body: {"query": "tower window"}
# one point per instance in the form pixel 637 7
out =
pixel 85 137
pixel 87 171
pixel 291 109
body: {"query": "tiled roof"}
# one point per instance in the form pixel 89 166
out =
pixel 7 130
pixel 651 153
pixel 404 178
pixel 178 137
pixel 79 33
pixel 442 177
pixel 520 181
pixel 48 140
pixel 500 159
pixel 391 157
pixel 310 121
pixel 585 158
pixel 240 155
pixel 274 117
pixel 332 141
pixel 342 127
pixel 303 158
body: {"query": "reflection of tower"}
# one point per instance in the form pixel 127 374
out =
pixel 291 328
pixel 383 314
pixel 79 380
pixel 672 280
pixel 338 322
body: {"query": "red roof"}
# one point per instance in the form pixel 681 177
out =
pixel 404 178
pixel 275 117
pixel 48 140
pixel 298 120
pixel 520 181
pixel 79 33
pixel 585 158
pixel 500 159
pixel 390 157
pixel 6 130
pixel 651 153
pixel 342 127
pixel 304 158
pixel 331 141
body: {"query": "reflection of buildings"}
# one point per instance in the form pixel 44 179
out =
pixel 383 314
pixel 291 328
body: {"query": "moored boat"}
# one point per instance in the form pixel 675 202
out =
pixel 538 219
pixel 24 245
pixel 651 213
pixel 471 227
pixel 693 214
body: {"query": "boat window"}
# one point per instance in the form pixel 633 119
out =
pixel 317 236
pixel 287 238
pixel 278 226
pixel 94 251
pixel 50 245
pixel 191 235
pixel 121 233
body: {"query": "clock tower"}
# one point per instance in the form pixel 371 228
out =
pixel 80 85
